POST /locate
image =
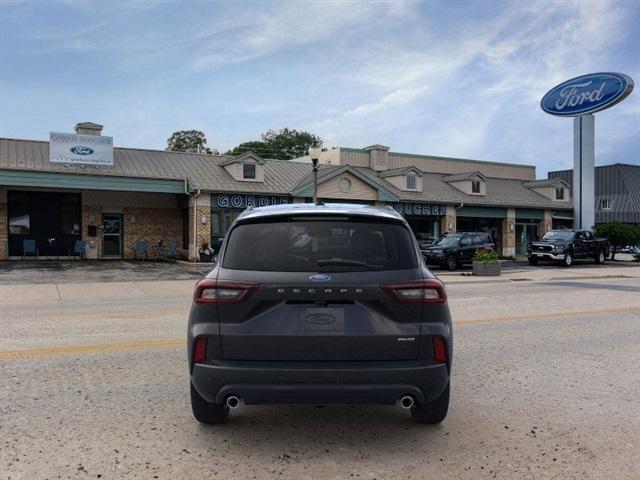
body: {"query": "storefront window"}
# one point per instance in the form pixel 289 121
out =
pixel 19 217
pixel 52 219
pixel 69 219
pixel 19 220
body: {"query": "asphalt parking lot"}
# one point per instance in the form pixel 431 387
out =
pixel 545 385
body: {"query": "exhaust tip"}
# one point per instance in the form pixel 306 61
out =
pixel 233 401
pixel 406 402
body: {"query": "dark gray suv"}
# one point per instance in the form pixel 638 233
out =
pixel 320 304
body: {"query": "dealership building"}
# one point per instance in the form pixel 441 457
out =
pixel 112 198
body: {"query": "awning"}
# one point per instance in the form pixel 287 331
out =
pixel 30 178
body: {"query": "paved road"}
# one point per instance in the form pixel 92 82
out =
pixel 545 385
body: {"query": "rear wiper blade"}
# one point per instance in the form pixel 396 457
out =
pixel 342 261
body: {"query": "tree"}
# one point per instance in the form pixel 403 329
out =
pixel 288 144
pixel 188 141
pixel 284 144
pixel 257 147
pixel 619 234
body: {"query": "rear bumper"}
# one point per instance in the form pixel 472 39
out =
pixel 320 383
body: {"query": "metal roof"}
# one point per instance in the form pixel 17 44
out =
pixel 463 176
pixel 400 171
pixel 547 182
pixel 281 177
pixel 203 171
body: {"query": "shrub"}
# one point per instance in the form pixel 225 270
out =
pixel 482 256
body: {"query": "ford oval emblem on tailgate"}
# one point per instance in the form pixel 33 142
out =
pixel 319 277
pixel 320 318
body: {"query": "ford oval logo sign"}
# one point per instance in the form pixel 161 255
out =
pixel 79 150
pixel 587 94
pixel 319 277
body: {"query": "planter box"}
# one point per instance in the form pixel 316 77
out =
pixel 486 269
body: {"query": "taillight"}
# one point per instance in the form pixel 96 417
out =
pixel 439 350
pixel 421 291
pixel 199 349
pixel 214 291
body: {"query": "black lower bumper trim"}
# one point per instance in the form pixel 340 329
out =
pixel 297 382
pixel 295 393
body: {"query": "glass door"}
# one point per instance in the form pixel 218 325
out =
pixel 111 235
pixel 525 233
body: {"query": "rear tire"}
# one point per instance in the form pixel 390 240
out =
pixel 451 263
pixel 600 257
pixel 434 412
pixel 568 260
pixel 205 412
pixel 533 261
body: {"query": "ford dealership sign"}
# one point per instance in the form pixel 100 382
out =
pixel 80 149
pixel 587 94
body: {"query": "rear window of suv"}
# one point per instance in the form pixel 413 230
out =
pixel 317 245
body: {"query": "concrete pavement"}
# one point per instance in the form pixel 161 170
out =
pixel 545 385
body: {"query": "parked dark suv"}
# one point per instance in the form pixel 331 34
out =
pixel 320 305
pixel 455 249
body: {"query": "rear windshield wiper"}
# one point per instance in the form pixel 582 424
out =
pixel 345 262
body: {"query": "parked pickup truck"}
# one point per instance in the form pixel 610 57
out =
pixel 565 246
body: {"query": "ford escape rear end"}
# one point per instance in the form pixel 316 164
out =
pixel 322 305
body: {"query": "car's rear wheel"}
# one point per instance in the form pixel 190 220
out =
pixel 533 261
pixel 600 257
pixel 433 412
pixel 205 412
pixel 567 261
pixel 451 263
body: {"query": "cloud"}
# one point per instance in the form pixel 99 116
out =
pixel 256 33
pixel 484 83
pixel 445 78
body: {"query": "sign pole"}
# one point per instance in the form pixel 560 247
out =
pixel 579 98
pixel 583 171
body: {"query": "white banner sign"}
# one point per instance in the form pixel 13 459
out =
pixel 74 148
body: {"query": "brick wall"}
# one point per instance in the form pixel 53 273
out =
pixel 545 224
pixel 509 233
pixel 92 216
pixel 204 230
pixel 152 225
pixel 448 222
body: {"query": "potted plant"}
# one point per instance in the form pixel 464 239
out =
pixel 486 264
pixel 205 252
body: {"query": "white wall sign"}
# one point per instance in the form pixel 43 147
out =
pixel 85 149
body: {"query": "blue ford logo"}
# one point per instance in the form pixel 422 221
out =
pixel 587 94
pixel 319 277
pixel 79 150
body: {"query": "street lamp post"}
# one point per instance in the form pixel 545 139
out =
pixel 314 153
pixel 314 161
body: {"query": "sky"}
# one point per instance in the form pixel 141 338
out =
pixel 451 78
